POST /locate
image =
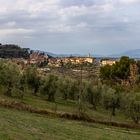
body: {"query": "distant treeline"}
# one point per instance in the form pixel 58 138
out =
pixel 13 51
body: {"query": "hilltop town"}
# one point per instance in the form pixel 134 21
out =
pixel 46 64
pixel 28 57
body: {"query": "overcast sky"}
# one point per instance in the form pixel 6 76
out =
pixel 71 26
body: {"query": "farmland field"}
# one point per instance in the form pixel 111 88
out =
pixel 22 125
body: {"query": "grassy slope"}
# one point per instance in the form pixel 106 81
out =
pixel 15 125
pixel 68 106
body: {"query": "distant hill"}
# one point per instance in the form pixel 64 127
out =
pixel 13 51
pixel 131 53
pixel 68 55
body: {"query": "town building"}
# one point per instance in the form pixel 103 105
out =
pixel 37 58
pixel 108 62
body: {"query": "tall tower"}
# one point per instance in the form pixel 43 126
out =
pixel 89 55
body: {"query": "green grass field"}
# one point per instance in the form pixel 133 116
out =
pixel 20 125
pixel 15 125
pixel 68 106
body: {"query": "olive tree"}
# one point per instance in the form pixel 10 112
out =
pixel 131 106
pixel 111 99
pixel 32 78
pixel 64 87
pixel 68 88
pixel 93 95
pixel 9 76
pixel 49 87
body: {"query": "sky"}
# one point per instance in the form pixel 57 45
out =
pixel 71 26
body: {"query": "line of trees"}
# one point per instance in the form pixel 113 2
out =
pixel 13 79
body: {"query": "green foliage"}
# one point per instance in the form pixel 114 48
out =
pixel 64 88
pixel 105 72
pixel 110 99
pixel 74 90
pixel 131 106
pixel 68 88
pixel 120 70
pixel 32 78
pixel 49 87
pixel 9 76
pixel 93 95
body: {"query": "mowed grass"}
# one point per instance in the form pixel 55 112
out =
pixel 68 106
pixel 20 125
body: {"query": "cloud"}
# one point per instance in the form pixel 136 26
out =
pixel 128 1
pixel 76 22
pixel 15 31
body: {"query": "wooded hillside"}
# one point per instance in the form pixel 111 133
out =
pixel 13 51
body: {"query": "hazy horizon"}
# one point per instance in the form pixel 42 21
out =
pixel 102 27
